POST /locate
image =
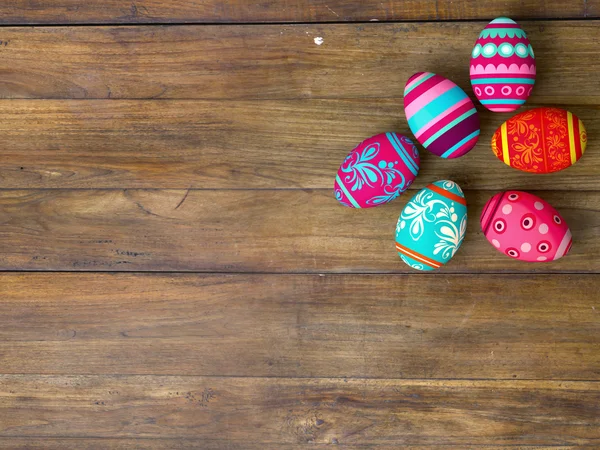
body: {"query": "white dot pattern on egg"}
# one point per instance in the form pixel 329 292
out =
pixel 525 227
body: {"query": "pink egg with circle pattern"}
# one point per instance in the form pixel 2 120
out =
pixel 525 227
pixel 503 67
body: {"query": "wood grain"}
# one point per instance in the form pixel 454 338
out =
pixel 248 231
pixel 392 326
pixel 278 61
pixel 186 148
pixel 301 411
pixel 27 443
pixel 236 145
pixel 220 11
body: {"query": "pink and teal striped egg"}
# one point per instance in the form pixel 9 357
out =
pixel 502 66
pixel 440 115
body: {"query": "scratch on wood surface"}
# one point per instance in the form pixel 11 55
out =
pixel 360 430
pixel 337 15
pixel 183 199
pixel 139 205
pixel 137 11
pixel 145 210
pixel 465 319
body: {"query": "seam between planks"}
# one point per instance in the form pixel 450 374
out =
pixel 269 443
pixel 301 23
pixel 184 188
pixel 295 377
pixel 306 273
pixel 237 100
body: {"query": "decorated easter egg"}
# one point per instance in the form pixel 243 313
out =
pixel 432 226
pixel 377 171
pixel 541 140
pixel 440 115
pixel 502 66
pixel 523 226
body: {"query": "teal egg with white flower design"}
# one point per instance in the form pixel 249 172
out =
pixel 432 226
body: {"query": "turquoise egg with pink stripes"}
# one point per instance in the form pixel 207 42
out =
pixel 432 226
pixel 441 115
pixel 377 171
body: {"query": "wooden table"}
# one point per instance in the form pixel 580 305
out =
pixel 176 272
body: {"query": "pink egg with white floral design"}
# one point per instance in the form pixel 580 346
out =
pixel 525 227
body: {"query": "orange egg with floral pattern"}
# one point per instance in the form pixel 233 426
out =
pixel 541 140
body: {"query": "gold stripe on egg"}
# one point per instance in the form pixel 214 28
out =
pixel 504 133
pixel 571 138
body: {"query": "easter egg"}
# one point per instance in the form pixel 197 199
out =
pixel 377 171
pixel 502 66
pixel 432 226
pixel 525 227
pixel 440 115
pixel 541 140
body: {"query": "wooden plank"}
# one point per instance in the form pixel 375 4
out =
pixel 383 326
pixel 303 411
pixel 248 231
pixel 236 144
pixel 219 11
pixel 20 443
pixel 278 61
